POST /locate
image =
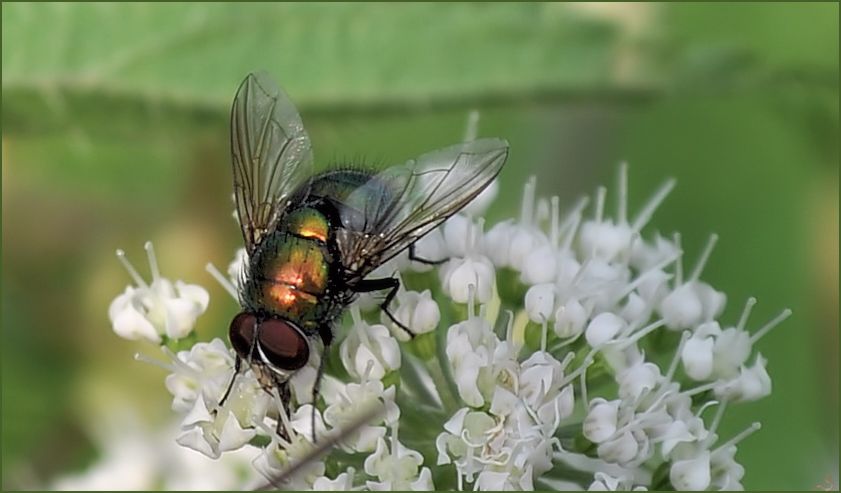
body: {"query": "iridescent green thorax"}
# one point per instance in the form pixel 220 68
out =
pixel 338 184
pixel 307 222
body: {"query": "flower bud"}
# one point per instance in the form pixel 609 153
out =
pixel 600 423
pixel 460 274
pixel 540 265
pixel 540 302
pixel 603 328
pixel 570 319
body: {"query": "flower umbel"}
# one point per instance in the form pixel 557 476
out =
pixel 552 350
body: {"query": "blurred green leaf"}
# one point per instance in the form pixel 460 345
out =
pixel 323 55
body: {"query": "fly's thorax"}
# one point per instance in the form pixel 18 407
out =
pixel 337 184
pixel 307 222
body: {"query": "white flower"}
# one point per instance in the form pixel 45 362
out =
pixel 541 265
pixel 691 474
pixel 470 350
pixel 280 454
pixel 205 370
pixel 397 469
pixel 540 302
pixel 152 311
pixel 638 379
pixel 534 398
pixel 691 304
pixel 417 311
pixel 570 319
pixel 346 402
pixel 457 275
pixel 212 435
pixel 369 351
pixel 697 354
pixel 343 482
pixel 752 383
pixel 606 482
pixel 432 248
pixel 605 240
pixel 600 423
pixel 603 328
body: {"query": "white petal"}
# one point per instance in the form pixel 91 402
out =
pixel 426 315
pixel 197 414
pixel 497 244
pixel 697 357
pixel 366 363
pixel 378 463
pixel 732 349
pixel 712 301
pixel 600 423
pixel 477 206
pixel 457 230
pixel 752 384
pixel 682 308
pixel 604 239
pixel 194 438
pixel 621 449
pixel 424 481
pixel 492 481
pixel 477 272
pixel 603 328
pixel 131 324
pixel 233 435
pixel 570 319
pixel 637 379
pixel 180 317
pixel 691 474
pixel 455 424
pixel 194 293
pixel 540 302
pixel 503 402
pixel 540 265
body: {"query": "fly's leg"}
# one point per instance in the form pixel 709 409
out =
pixel 285 397
pixel 392 284
pixel 413 256
pixel 237 368
pixel 326 333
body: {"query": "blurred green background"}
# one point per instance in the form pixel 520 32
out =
pixel 115 121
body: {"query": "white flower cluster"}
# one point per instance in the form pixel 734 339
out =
pixel 537 362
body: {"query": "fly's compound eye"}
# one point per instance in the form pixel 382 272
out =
pixel 283 344
pixel 241 333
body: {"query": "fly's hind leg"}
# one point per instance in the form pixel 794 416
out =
pixel 392 284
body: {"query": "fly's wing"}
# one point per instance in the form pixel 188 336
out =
pixel 401 204
pixel 271 154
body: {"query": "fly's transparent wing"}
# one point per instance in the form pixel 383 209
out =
pixel 270 151
pixel 401 204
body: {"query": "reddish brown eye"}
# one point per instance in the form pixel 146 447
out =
pixel 241 333
pixel 283 344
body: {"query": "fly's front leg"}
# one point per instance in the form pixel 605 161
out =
pixel 237 368
pixel 285 396
pixel 414 257
pixel 326 333
pixel 392 284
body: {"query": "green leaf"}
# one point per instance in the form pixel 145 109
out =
pixel 361 54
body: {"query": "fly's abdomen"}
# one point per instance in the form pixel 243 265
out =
pixel 290 278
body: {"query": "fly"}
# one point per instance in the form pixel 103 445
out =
pixel 312 239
